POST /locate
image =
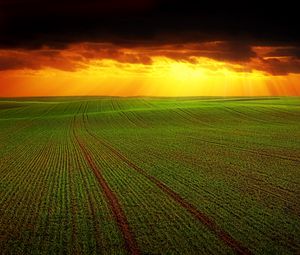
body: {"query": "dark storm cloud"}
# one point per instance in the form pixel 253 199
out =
pixel 80 55
pixel 35 33
pixel 32 24
pixel 277 66
pixel 232 51
pixel 223 51
pixel 285 52
pixel 38 59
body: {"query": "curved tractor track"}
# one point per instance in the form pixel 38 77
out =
pixel 113 202
pixel 200 216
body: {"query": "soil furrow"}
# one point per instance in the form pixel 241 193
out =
pixel 204 219
pixel 113 201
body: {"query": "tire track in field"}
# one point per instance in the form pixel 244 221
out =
pixel 90 201
pixel 123 113
pixel 91 206
pixel 117 210
pixel 89 195
pixel 200 216
pixel 284 240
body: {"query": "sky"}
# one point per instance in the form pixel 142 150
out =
pixel 149 48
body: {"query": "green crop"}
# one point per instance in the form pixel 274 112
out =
pixel 106 175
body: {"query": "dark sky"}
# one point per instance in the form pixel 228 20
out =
pixel 73 35
pixel 34 23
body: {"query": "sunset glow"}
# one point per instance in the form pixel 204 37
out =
pixel 149 127
pixel 98 69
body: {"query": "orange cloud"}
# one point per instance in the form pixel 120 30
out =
pixel 272 60
pixel 211 68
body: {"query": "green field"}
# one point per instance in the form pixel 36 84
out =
pixel 103 175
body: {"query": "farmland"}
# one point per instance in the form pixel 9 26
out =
pixel 108 175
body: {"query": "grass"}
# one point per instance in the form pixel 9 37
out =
pixel 150 175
